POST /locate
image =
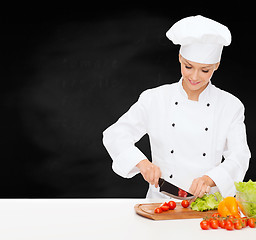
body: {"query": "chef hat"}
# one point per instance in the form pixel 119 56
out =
pixel 201 39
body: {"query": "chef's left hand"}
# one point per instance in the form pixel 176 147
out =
pixel 201 185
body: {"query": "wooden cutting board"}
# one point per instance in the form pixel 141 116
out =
pixel 147 210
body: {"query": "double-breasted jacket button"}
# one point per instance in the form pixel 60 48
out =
pixel 176 103
pixel 171 176
pixel 206 129
pixel 173 124
pixel 172 151
pixel 204 154
pixel 208 104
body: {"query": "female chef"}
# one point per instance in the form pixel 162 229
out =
pixel 191 124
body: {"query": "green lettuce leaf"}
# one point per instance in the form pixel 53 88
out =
pixel 247 190
pixel 247 195
pixel 207 202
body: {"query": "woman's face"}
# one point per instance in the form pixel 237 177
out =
pixel 196 76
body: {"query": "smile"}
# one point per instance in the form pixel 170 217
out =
pixel 193 82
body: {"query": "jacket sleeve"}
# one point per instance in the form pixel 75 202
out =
pixel 120 138
pixel 236 154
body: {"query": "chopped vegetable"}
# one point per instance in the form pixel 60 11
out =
pixel 207 202
pixel 171 205
pixel 247 194
pixel 158 210
pixel 164 206
pixel 218 196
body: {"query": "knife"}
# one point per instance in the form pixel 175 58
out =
pixel 171 190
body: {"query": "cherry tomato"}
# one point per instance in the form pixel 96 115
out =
pixel 182 193
pixel 238 224
pixel 231 217
pixel 251 222
pixel 185 203
pixel 214 224
pixel 204 225
pixel 164 206
pixel 222 222
pixel 172 205
pixel 215 215
pixel 244 221
pixel 158 210
pixel 229 225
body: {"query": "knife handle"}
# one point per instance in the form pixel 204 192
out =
pixel 161 182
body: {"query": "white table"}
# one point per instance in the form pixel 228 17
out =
pixel 97 219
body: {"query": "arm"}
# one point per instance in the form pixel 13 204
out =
pixel 236 154
pixel 120 138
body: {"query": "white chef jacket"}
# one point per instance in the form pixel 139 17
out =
pixel 188 138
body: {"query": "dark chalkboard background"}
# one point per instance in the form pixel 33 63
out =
pixel 70 73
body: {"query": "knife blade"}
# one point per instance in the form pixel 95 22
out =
pixel 173 191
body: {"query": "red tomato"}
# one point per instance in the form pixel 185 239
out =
pixel 244 221
pixel 238 224
pixel 229 225
pixel 214 224
pixel 215 215
pixel 172 205
pixel 158 210
pixel 164 204
pixel 185 203
pixel 165 208
pixel 251 222
pixel 231 217
pixel 182 193
pixel 204 225
pixel 222 222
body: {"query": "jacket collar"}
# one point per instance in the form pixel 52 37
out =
pixel 204 96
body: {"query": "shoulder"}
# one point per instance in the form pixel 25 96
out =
pixel 160 91
pixel 158 96
pixel 227 99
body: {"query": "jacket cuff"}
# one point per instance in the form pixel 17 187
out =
pixel 125 163
pixel 223 181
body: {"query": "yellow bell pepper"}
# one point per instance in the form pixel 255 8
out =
pixel 228 206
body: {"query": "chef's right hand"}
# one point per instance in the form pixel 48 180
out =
pixel 150 172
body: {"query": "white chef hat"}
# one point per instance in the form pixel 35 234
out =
pixel 201 39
